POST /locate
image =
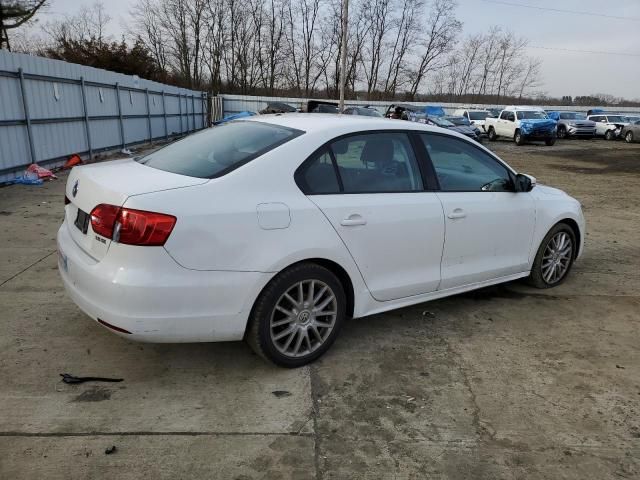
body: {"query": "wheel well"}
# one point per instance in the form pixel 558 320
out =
pixel 342 275
pixel 576 231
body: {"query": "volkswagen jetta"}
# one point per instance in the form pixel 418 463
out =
pixel 276 228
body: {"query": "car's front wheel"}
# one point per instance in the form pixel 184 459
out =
pixel 518 138
pixel 297 316
pixel 554 258
pixel 492 134
pixel 562 132
pixel 629 137
pixel 610 135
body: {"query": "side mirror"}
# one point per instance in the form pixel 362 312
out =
pixel 525 183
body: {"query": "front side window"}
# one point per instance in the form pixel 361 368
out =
pixel 616 118
pixel 215 151
pixel 462 167
pixel 376 163
pixel 478 115
pixel 504 115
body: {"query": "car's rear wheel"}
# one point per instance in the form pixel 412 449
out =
pixel 610 135
pixel 492 134
pixel 297 316
pixel 518 138
pixel 629 137
pixel 554 258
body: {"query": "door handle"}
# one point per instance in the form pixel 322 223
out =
pixel 457 213
pixel 353 220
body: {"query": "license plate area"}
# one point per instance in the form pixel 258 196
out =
pixel 82 221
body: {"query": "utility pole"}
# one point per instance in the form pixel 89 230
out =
pixel 343 52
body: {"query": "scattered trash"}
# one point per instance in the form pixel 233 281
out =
pixel 73 161
pixel 110 450
pixel 281 393
pixel 620 367
pixel 428 314
pixel 27 178
pixel 126 151
pixel 70 379
pixel 41 172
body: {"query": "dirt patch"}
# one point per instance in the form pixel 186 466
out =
pixel 94 394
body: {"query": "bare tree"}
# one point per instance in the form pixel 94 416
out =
pixel 441 30
pixel 14 14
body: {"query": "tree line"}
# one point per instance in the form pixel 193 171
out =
pixel 396 49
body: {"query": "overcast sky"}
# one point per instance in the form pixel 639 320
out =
pixel 564 72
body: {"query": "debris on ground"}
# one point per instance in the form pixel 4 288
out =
pixel 126 151
pixel 41 172
pixel 73 161
pixel 281 393
pixel 110 450
pixel 428 314
pixel 70 379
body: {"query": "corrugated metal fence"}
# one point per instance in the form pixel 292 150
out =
pixel 50 109
pixel 240 103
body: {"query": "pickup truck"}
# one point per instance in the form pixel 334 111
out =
pixel 522 124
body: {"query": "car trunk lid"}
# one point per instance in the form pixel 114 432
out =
pixel 111 183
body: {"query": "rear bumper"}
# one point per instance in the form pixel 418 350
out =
pixel 144 291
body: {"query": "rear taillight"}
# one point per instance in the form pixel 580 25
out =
pixel 132 227
pixel 103 219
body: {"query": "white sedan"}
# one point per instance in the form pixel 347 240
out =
pixel 277 228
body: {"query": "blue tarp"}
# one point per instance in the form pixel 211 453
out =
pixel 434 111
pixel 235 116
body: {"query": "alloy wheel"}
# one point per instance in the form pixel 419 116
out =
pixel 629 137
pixel 557 257
pixel 303 318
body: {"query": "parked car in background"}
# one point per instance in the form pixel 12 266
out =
pixel 631 132
pixel 608 125
pixel 442 122
pixel 632 118
pixel 494 112
pixel 573 124
pixel 278 107
pixel 321 106
pixel 474 116
pixel 406 111
pixel 464 122
pixel 522 124
pixel 278 228
pixel 364 111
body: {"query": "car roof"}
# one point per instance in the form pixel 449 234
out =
pixel 338 124
pixel 524 108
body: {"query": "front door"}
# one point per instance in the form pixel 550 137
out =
pixel 488 226
pixel 369 186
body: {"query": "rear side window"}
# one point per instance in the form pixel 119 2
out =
pixel 365 163
pixel 216 151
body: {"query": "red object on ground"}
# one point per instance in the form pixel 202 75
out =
pixel 40 171
pixel 73 161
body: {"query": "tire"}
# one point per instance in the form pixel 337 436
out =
pixel 550 142
pixel 562 132
pixel 549 251
pixel 492 134
pixel 629 137
pixel 518 138
pixel 609 135
pixel 310 335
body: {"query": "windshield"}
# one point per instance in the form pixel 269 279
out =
pixel 441 122
pixel 616 118
pixel 458 120
pixel 368 112
pixel 573 116
pixel 531 114
pixel 478 115
pixel 218 150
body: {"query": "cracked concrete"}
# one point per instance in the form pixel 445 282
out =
pixel 503 383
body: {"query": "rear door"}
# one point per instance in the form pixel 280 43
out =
pixel 370 187
pixel 488 226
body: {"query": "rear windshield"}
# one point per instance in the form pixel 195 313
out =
pixel 218 150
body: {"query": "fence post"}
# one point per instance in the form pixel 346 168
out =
pixel 146 92
pixel 27 117
pixel 193 111
pixel 164 114
pixel 180 112
pixel 86 118
pixel 120 115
